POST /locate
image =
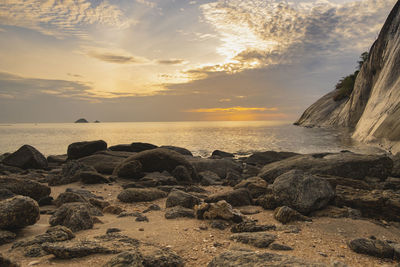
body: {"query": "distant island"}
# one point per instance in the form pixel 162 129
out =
pixel 96 121
pixel 82 120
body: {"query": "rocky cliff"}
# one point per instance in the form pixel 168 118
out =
pixel 373 108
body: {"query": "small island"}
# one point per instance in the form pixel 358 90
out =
pixel 82 120
pixel 96 121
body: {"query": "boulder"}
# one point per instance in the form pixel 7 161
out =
pixel 69 173
pixel 180 198
pixel 180 150
pixel 347 164
pixel 336 212
pixel 163 258
pixel 18 212
pixel 258 240
pixel 221 154
pixel 162 160
pixel 122 147
pixel 255 185
pixel 76 249
pixel 75 216
pixel 83 149
pixel 58 159
pixel 113 210
pixel 219 166
pixel 132 195
pixel 372 247
pixel 26 157
pixel 257 259
pixel 5 193
pixel 131 258
pixel 281 247
pixel 238 197
pixel 302 191
pixel 220 210
pixel 25 187
pixel 209 178
pixel 69 197
pixel 286 215
pixel 104 164
pixel 178 212
pixel 267 157
pixel 92 178
pixel 378 204
pixel 129 170
pixel 251 227
pixel 182 175
pixel 139 147
pixel 84 193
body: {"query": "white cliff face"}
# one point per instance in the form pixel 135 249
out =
pixel 373 109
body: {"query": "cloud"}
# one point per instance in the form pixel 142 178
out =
pixel 74 75
pixel 171 61
pixel 61 18
pixel 114 58
pixel 231 109
pixel 147 3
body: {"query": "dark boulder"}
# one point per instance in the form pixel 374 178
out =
pixel 5 262
pixel 222 167
pixel 129 170
pixel 132 195
pixel 180 150
pixel 336 212
pixel 251 227
pixel 68 197
pixel 286 215
pixel 267 157
pixel 122 147
pixel 163 258
pixel 83 149
pixel 256 239
pixel 26 157
pixel 76 249
pixel 238 197
pixel 58 159
pixel 182 175
pixel 139 147
pixel 220 210
pixel 255 185
pixel 372 247
pixel 104 164
pixel 75 216
pixel 131 258
pixel 7 237
pixel 209 178
pixel 180 198
pixel 92 178
pixel 178 212
pixel 18 212
pixel 69 173
pixel 5 193
pixel 221 154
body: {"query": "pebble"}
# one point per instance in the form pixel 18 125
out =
pixel 141 229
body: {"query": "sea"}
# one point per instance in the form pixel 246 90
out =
pixel 239 137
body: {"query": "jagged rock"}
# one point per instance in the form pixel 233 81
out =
pixel 259 239
pixel 75 216
pixel 256 259
pixel 83 149
pixel 182 175
pixel 238 197
pixel 76 249
pixel 6 237
pixel 286 215
pixel 132 195
pixel 251 227
pixel 336 212
pixel 277 246
pixel 26 157
pixel 69 173
pixel 84 193
pixel 302 191
pixel 348 165
pixel 5 262
pixel 267 157
pixel 255 185
pixel 152 207
pixel 209 178
pixel 379 204
pixel 163 258
pixel 219 166
pixel 220 210
pixel 92 178
pixel 376 248
pixel 113 209
pixel 101 204
pixel 25 187
pixel 180 150
pixel 18 212
pixel 68 197
pixel 221 154
pixel 126 259
pixel 180 198
pixel 335 181
pixel 121 147
pixel 219 224
pixel 5 193
pixel 139 147
pixel 129 170
pixel 104 164
pixel 178 212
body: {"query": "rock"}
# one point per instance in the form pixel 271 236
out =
pixel 84 149
pixel 335 181
pixel 180 150
pixel 396 165
pixel 162 160
pixel 58 159
pixel 7 237
pixel 219 224
pixel 129 170
pixel 336 212
pixel 376 248
pixel 132 195
pixel 391 183
pixel 113 230
pixel 238 197
pixel 5 262
pixel 221 154
pixel 180 198
pixel 178 212
pixel 104 164
pixel 82 120
pixel 219 166
pixel 92 178
pixel 251 227
pixel 69 173
pixel 101 204
pixel 220 210
pixel 277 246
pixel 113 210
pixel 75 216
pixel 182 175
pixel 123 147
pixel 25 187
pixel 45 201
pixel 259 239
pixel 378 204
pixel 68 197
pixel 152 207
pixel 267 157
pixel 209 178
pixel 302 191
pixel 139 147
pixel 126 259
pixel 163 258
pixel 286 215
pixel 255 185
pixel 5 193
pixel 348 165
pixel 18 212
pixel 26 157
pixel 70 250
pixel 84 193
pixel 154 179
pixel 256 259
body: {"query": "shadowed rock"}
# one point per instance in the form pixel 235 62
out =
pixel 255 185
pixel 18 212
pixel 129 170
pixel 126 259
pixel 178 212
pixel 121 147
pixel 70 250
pixel 238 197
pixel 69 173
pixel 287 215
pixel 219 166
pixel 83 149
pixel 376 248
pixel 220 210
pixel 25 187
pixel 104 164
pixel 251 227
pixel 267 157
pixel 180 150
pixel 6 237
pixel 259 239
pixel 75 216
pixel 163 258
pixel 26 157
pixel 180 198
pixel 92 178
pixel 139 147
pixel 221 154
pixel 5 262
pixel 132 195
pixel 209 178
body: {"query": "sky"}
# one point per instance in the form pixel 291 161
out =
pixel 175 60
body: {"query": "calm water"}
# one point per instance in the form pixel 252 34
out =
pixel 199 137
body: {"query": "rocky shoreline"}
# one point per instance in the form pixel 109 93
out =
pixel 143 205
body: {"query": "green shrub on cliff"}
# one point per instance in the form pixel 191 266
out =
pixel 346 85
